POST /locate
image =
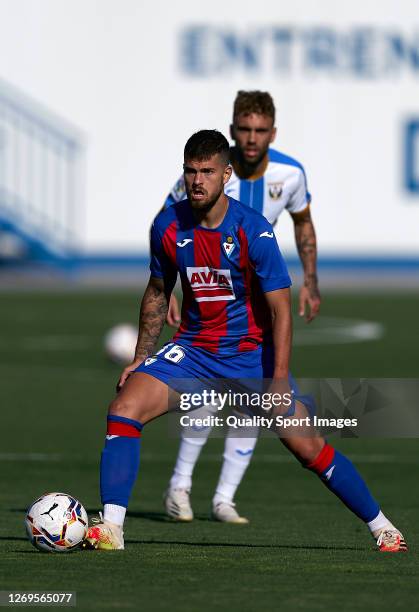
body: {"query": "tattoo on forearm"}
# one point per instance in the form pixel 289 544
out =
pixel 152 316
pixel 306 245
pixel 305 238
pixel 310 281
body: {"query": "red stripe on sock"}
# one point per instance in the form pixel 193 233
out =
pixel 122 429
pixel 323 459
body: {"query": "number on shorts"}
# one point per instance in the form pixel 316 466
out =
pixel 175 354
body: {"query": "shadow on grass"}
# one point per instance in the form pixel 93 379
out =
pixel 200 544
pixel 161 517
pixel 240 545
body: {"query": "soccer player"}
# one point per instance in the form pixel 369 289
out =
pixel 268 181
pixel 236 323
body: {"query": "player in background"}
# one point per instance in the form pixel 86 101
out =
pixel 270 182
pixel 236 323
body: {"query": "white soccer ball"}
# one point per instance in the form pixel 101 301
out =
pixel 120 342
pixel 56 522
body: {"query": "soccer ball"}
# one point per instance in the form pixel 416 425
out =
pixel 56 522
pixel 120 343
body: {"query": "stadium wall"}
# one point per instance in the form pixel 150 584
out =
pixel 345 81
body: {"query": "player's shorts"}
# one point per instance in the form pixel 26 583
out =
pixel 182 368
pixel 176 361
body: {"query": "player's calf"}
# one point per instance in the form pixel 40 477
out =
pixel 341 477
pixel 141 396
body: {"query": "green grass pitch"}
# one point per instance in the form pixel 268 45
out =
pixel 302 550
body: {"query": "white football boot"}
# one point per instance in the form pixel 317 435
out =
pixel 390 539
pixel 226 512
pixel 177 505
pixel 103 535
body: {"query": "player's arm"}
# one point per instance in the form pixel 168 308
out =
pixel 153 313
pixel 271 270
pixel 177 193
pixel 155 301
pixel 279 303
pixel 305 239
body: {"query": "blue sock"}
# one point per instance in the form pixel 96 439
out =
pixel 340 476
pixel 120 460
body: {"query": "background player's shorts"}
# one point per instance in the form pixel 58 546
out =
pixel 190 369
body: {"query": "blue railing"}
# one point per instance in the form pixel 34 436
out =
pixel 41 160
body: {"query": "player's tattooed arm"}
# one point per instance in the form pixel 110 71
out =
pixel 305 239
pixel 152 317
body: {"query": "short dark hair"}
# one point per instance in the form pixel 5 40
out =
pixel 204 144
pixel 259 102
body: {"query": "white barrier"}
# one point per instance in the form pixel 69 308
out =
pixel 345 81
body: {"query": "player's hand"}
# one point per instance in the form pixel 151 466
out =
pixel 309 302
pixel 279 387
pixel 127 371
pixel 173 313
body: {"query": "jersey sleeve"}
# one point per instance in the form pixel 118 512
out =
pixel 300 197
pixel 160 265
pixel 177 194
pixel 267 259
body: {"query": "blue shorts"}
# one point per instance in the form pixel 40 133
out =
pixel 176 361
pixel 188 369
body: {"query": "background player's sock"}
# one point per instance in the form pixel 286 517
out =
pixel 119 466
pixel 341 477
pixel 237 454
pixel 190 448
pixel 189 451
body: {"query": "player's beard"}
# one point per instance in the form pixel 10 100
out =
pixel 202 206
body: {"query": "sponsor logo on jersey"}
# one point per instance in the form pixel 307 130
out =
pixel 275 190
pixel 210 284
pixel 184 242
pixel 266 235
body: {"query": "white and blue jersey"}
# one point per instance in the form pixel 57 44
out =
pixel 282 186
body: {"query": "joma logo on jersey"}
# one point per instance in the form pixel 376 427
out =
pixel 210 284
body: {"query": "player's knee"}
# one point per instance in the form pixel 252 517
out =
pixel 306 450
pixel 130 408
pixel 118 407
pixel 122 406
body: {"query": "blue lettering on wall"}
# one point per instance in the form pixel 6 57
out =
pixel 320 49
pixel 357 52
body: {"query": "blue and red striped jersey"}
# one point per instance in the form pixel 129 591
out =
pixel 224 273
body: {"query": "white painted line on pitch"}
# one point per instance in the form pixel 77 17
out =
pixel 208 458
pixel 325 330
pixel 56 343
pixel 279 458
pixel 336 330
pixel 30 457
pixel 75 373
